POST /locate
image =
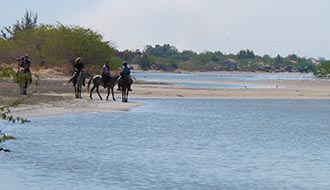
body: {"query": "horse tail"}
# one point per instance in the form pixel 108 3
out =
pixel 70 80
pixel 88 85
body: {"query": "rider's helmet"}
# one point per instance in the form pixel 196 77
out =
pixel 124 63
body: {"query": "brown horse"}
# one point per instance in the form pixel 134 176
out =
pixel 97 81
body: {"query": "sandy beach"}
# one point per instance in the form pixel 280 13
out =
pixel 54 97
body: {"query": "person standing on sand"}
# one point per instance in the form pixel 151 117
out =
pixel 24 64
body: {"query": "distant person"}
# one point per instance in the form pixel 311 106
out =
pixel 78 67
pixel 105 74
pixel 127 72
pixel 24 64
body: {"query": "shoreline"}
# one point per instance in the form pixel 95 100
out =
pixel 54 97
pixel 77 106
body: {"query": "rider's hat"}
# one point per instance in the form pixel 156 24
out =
pixel 77 59
pixel 124 63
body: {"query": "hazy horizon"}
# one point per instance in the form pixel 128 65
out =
pixel 267 27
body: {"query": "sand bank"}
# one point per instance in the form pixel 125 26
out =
pixel 54 97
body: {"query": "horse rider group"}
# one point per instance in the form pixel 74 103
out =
pixel 24 64
pixel 106 77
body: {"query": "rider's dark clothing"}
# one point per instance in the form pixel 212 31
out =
pixel 77 68
pixel 106 75
pixel 126 71
pixel 25 63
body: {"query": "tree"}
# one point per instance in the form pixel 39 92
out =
pixel 323 70
pixel 28 22
pixel 145 62
pixel 246 54
pixel 163 51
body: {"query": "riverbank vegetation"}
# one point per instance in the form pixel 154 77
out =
pixel 56 46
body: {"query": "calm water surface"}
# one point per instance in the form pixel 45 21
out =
pixel 202 80
pixel 175 144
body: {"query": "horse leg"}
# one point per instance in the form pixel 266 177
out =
pixel 79 91
pixel 108 93
pixel 113 95
pixel 126 98
pixel 122 95
pixel 90 94
pixel 75 91
pixel 97 90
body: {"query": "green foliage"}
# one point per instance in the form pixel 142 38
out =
pixel 323 70
pixel 163 51
pixel 7 73
pixel 168 58
pixel 53 45
pixel 5 114
pixel 306 67
pixel 5 111
pixel 29 21
pixel 4 137
pixel 246 54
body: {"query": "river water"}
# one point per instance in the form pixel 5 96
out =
pixel 221 80
pixel 175 144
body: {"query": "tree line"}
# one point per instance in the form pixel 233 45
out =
pixel 57 46
pixel 168 58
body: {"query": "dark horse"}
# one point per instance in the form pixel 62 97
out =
pixel 97 82
pixel 125 83
pixel 24 78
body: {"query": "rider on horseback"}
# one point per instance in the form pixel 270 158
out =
pixel 106 75
pixel 78 66
pixel 126 71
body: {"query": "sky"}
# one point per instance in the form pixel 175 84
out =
pixel 271 27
